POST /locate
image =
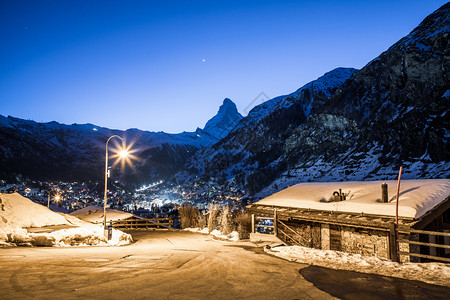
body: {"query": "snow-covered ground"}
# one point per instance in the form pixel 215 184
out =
pixel 435 273
pixel 18 213
pixel 233 236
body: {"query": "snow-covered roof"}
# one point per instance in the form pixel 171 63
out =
pixel 94 214
pixel 417 197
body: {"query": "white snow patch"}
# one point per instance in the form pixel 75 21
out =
pixel 233 236
pixel 446 95
pixel 435 273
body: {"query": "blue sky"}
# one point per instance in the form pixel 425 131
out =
pixel 168 65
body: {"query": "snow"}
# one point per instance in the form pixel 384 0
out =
pixel 87 235
pixel 446 95
pixel 325 85
pixel 17 213
pixel 233 236
pixel 226 118
pixel 417 197
pixel 435 273
pixel 16 210
pixel 94 214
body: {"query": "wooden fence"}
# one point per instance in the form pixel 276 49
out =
pixel 395 256
pixel 143 223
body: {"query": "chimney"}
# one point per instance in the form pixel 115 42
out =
pixel 384 192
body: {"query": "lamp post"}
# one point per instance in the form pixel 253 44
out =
pixel 57 197
pixel 123 153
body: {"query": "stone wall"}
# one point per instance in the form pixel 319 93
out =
pixel 362 241
pixel 359 241
pixel 325 234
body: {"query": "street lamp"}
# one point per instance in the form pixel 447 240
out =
pixel 122 154
pixel 56 197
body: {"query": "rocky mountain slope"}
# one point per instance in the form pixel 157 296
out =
pixel 348 124
pixel 58 151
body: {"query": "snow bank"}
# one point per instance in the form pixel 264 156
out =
pixel 417 197
pixel 196 229
pixel 86 236
pixel 17 212
pixel 435 273
pixel 78 236
pixel 233 236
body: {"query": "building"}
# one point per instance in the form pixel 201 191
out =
pixel 352 217
pixel 94 214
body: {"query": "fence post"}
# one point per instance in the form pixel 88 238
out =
pixel 275 227
pixel 393 254
pixel 253 223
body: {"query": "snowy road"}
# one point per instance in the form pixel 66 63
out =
pixel 184 265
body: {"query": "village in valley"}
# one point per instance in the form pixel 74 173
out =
pixel 152 200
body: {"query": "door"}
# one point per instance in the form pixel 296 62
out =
pixel 335 238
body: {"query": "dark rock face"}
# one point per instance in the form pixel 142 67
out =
pixel 398 97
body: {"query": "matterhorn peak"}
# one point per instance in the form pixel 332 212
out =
pixel 226 119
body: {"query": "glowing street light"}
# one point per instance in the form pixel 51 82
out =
pixel 57 197
pixel 123 153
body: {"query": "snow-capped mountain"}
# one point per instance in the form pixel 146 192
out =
pixel 59 151
pixel 348 124
pixel 226 119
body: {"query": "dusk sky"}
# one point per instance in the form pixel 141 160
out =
pixel 168 65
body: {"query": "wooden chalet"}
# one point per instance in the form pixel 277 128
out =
pixel 352 217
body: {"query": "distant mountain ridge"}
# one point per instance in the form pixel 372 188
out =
pixel 54 150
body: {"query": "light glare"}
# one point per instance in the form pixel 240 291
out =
pixel 123 153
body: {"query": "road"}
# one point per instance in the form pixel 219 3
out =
pixel 185 265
